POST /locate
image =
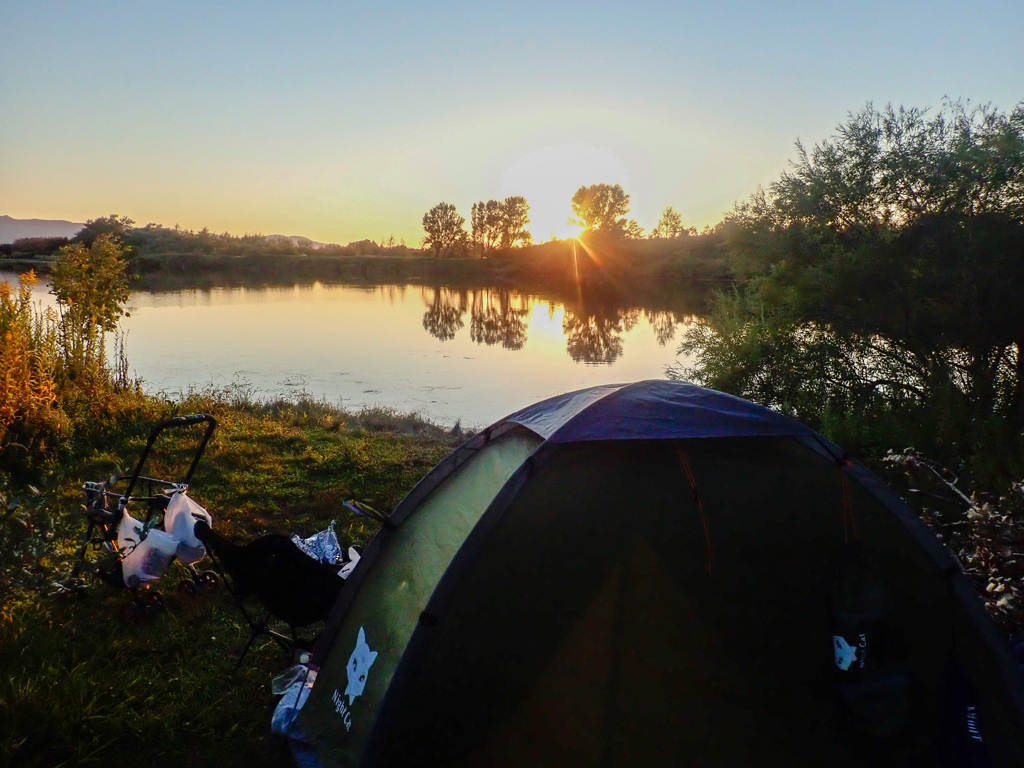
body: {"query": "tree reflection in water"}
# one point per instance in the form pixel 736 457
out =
pixel 594 326
pixel 596 337
pixel 665 324
pixel 498 318
pixel 444 314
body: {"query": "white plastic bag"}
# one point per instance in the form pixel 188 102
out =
pixel 149 554
pixel 180 522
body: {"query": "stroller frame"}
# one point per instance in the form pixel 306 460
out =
pixel 104 509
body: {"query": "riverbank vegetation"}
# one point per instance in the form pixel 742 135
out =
pixel 877 295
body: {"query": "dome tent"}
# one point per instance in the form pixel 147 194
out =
pixel 658 574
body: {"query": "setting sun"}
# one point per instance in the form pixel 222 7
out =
pixel 549 175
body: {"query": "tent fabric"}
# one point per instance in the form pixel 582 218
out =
pixel 408 563
pixel 564 632
pixel 651 410
pixel 435 478
pixel 644 574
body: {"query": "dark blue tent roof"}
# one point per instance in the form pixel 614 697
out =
pixel 646 410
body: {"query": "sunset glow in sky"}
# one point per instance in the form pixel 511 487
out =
pixel 341 121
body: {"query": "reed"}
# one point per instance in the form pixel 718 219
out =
pixel 29 356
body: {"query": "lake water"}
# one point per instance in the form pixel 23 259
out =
pixel 470 356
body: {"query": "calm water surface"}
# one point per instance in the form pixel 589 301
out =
pixel 469 355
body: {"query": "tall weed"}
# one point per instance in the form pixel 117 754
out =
pixel 30 363
pixel 27 356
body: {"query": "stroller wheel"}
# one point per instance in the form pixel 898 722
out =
pixel 155 600
pixel 208 579
pixel 131 612
pixel 76 588
pixel 188 587
pixel 111 572
pixel 61 593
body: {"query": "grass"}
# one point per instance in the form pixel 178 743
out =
pixel 80 687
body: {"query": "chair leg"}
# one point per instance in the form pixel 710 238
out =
pixel 262 628
pixel 252 636
pixel 257 627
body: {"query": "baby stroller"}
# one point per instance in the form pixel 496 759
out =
pixel 136 550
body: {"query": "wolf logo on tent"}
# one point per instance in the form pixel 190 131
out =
pixel 646 575
pixel 358 667
pixel 846 654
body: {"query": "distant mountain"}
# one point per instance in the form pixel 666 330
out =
pixel 16 229
pixel 297 240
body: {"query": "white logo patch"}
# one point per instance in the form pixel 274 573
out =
pixel 847 655
pixel 359 664
pixel 358 667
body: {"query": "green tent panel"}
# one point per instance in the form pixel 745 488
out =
pixel 658 574
pixel 394 594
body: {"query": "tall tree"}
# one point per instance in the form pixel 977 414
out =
pixel 445 229
pixel 91 283
pixel 485 221
pixel 632 230
pixel 893 166
pixel 515 217
pixel 91 286
pixel 670 225
pixel 601 207
pixel 500 224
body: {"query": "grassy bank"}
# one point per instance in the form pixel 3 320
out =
pixel 82 687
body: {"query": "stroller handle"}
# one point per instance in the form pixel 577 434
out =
pixel 181 421
pixel 171 423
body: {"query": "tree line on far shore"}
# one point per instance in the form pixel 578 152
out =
pixel 156 239
pixel 495 226
pixel 499 225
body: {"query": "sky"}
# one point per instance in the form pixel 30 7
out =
pixel 343 121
